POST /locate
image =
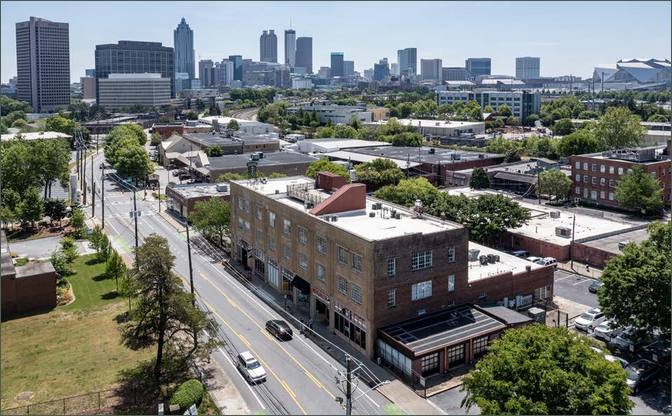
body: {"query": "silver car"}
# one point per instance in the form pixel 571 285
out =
pixel 589 319
pixel 606 330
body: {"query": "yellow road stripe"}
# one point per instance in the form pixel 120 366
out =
pixel 289 389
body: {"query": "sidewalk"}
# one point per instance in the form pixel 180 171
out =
pixel 580 269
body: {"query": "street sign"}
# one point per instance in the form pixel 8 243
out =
pixel 137 214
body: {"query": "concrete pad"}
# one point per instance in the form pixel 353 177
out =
pixel 573 309
pixel 412 404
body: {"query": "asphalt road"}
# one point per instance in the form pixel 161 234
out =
pixel 574 287
pixel 301 378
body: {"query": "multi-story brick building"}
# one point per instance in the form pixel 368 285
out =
pixel 596 175
pixel 360 264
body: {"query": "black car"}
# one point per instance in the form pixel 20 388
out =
pixel 658 352
pixel 641 373
pixel 594 286
pixel 280 329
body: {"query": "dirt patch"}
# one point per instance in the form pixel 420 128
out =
pixel 65 295
pixel 25 396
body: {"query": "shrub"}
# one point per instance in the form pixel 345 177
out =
pixel 190 392
pixel 61 265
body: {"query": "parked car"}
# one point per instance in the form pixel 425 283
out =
pixel 641 373
pixel 596 284
pixel 533 259
pixel 606 330
pixel 280 329
pixel 658 352
pixel 250 368
pixel 176 172
pixel 614 359
pixel 589 319
pixel 547 261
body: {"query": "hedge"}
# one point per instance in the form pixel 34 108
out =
pixel 190 392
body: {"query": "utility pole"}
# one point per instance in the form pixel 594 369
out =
pixel 571 247
pixel 84 176
pixel 102 195
pixel 191 270
pixel 348 386
pixel 135 216
pixel 93 199
pixel 539 187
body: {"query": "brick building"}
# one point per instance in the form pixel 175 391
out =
pixel 360 264
pixel 183 197
pixel 596 175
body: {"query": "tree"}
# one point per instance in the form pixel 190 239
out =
pixel 637 190
pixel 31 207
pixel 324 165
pixel 636 284
pixel 61 124
pixel 538 370
pixel 133 161
pixel 408 191
pixel 20 124
pixel 59 261
pixel 659 118
pixel 96 238
pixel 105 248
pixel 488 109
pixel 379 172
pixel 212 217
pixel 10 205
pixel 554 183
pixel 512 155
pixel 52 159
pixel 504 111
pixel 408 138
pixel 579 142
pixel 69 249
pixel 619 128
pixel 156 139
pixel 479 179
pixel 164 315
pixel 8 105
pixel 233 125
pixel 55 209
pixel 14 116
pixel 127 130
pixel 115 268
pixel 488 216
pixel 77 221
pixel 563 127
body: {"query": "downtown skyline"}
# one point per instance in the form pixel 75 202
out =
pixel 223 29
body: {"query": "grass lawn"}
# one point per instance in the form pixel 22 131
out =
pixel 72 350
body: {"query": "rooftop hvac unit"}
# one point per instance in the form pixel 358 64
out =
pixel 372 214
pixel 398 216
pixel 565 232
pixel 473 254
pixel 496 257
pixel 555 214
pixel 334 218
pixel 432 150
pixel 483 260
pixel 455 156
pixel 222 187
pixel 491 258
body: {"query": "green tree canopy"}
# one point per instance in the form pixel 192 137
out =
pixel 233 125
pixel 537 370
pixel 504 111
pixel 31 207
pixel 61 124
pixel 619 128
pixel 379 172
pixel 479 179
pixel 637 190
pixel 563 127
pixel 579 142
pixel 323 164
pixel 8 105
pixel 133 161
pixel 554 183
pixel 211 217
pixel 407 191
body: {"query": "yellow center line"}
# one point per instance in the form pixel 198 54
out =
pixel 264 363
pixel 308 373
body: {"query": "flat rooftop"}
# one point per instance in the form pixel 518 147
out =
pixel 37 135
pixel 430 123
pixel 34 267
pixel 542 226
pixel 270 159
pixel 197 190
pixel 610 244
pixel 338 143
pixel 423 155
pixel 210 139
pixel 362 158
pixel 507 263
pixel 442 329
pixel 357 222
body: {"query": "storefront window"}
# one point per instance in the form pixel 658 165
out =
pixel 480 345
pixel 456 354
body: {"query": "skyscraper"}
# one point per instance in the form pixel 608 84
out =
pixel 43 64
pixel 337 69
pixel 183 41
pixel 408 61
pixel 430 69
pixel 478 66
pixel 205 74
pixel 132 57
pixel 268 46
pixel 348 68
pixel 304 54
pixel 454 73
pixel 290 48
pixel 527 67
pixel 237 67
pixel 381 70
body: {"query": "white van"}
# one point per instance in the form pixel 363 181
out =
pixel 250 368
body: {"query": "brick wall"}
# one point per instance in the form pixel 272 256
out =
pixel 535 247
pixel 591 255
pixel 28 294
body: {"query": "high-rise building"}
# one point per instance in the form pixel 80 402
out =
pixel 478 66
pixel 394 69
pixel 237 67
pixel 408 61
pixel 304 54
pixel 268 46
pixel 337 69
pixel 90 72
pixel 454 73
pixel 223 72
pixel 205 68
pixel 430 69
pixel 132 57
pixel 290 48
pixel 43 64
pixel 128 90
pixel 381 70
pixel 348 68
pixel 88 87
pixel 527 67
pixel 324 72
pixel 183 41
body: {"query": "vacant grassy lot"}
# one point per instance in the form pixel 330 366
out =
pixel 72 350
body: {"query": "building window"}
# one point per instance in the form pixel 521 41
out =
pixel 451 254
pixel 320 272
pixel 421 290
pixel 451 283
pixel 341 285
pixel 603 181
pixel 303 237
pixel 593 167
pixel 577 177
pixel 271 243
pixel 653 174
pixel 577 165
pixel 577 190
pixel 303 261
pixel 392 267
pixel 611 183
pixel 357 262
pixel 480 345
pixel 321 245
pixel 260 237
pixel 585 166
pixel 585 178
pixel 356 293
pixel 421 260
pixel 259 213
pixel 601 194
pixel 602 169
pixel 391 298
pixel 629 170
pixel 611 196
pixel 593 180
pixel 241 204
pixel 286 252
pixel 593 195
pixel 271 219
pixel 455 354
pixel 286 226
pixel 585 192
pixel 342 255
pixel 620 171
pixel 611 170
pixel 430 364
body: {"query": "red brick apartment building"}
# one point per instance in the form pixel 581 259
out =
pixel 595 175
pixel 362 266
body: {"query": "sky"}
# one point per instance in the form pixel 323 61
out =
pixel 570 37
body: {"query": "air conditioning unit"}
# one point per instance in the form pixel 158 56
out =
pixel 565 232
pixel 473 254
pixel 222 187
pixel 483 260
pixel 555 214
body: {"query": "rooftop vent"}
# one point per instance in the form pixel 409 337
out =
pixel 555 214
pixel 473 254
pixel 565 232
pixel 483 260
pixel 222 187
pixel 372 214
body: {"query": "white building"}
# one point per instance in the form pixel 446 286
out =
pixel 439 128
pixel 127 90
pixel 527 67
pixel 522 103
pixel 337 114
pixel 301 83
